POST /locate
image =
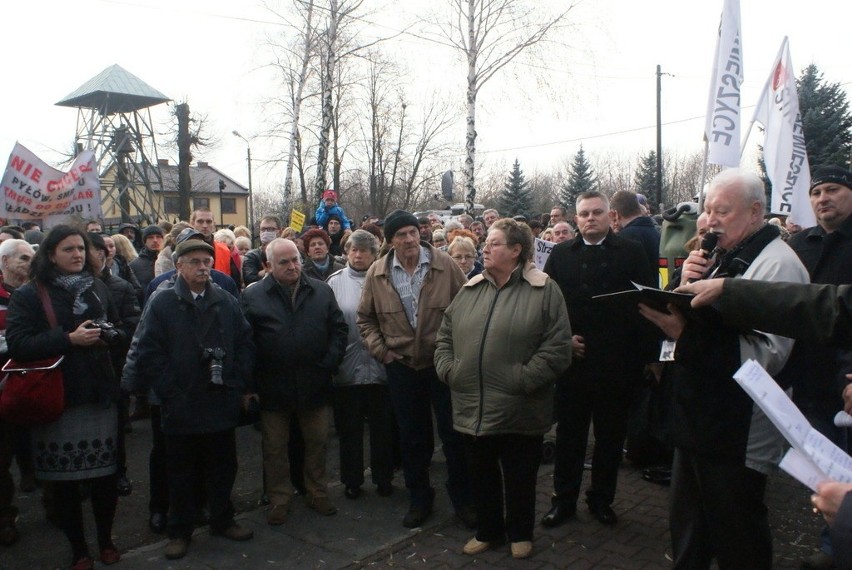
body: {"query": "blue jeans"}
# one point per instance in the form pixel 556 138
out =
pixel 414 393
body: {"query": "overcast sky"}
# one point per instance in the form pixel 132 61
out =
pixel 210 53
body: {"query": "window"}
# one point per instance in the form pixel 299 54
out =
pixel 200 203
pixel 172 205
pixel 229 205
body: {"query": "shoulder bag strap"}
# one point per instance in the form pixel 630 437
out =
pixel 48 306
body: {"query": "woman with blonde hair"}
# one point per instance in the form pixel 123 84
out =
pixel 463 252
pixel 242 231
pixel 124 247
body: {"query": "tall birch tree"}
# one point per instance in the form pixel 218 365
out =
pixel 491 34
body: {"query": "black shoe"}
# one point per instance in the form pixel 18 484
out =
pixel 157 523
pixel 603 513
pixel 352 492
pixel 123 486
pixel 300 490
pixel 384 490
pixel 558 514
pixel 657 476
pixel 416 516
pixel 468 517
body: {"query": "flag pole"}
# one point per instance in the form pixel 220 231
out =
pixel 703 175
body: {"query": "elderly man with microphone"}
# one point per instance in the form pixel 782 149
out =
pixel 724 445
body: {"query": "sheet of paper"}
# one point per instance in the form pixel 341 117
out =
pixel 813 452
pixel 780 409
pixel 802 469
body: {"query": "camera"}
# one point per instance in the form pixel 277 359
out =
pixel 215 357
pixel 108 333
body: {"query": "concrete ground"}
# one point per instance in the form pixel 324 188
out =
pixel 367 532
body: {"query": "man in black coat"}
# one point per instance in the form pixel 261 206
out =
pixel 198 356
pixel 631 223
pixel 301 337
pixel 609 351
pixel 253 268
pixel 814 370
pixel 143 266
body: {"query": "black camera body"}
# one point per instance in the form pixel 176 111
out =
pixel 215 358
pixel 108 333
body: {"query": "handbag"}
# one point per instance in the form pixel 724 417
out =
pixel 33 392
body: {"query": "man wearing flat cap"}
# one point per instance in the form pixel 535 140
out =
pixel 814 370
pixel 198 353
pixel 404 298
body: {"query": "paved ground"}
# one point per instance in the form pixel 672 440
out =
pixel 367 532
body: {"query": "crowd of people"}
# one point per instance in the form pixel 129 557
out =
pixel 412 326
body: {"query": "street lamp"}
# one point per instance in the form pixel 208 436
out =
pixel 250 201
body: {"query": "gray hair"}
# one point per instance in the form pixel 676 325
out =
pixel 242 240
pixel 452 225
pixel 362 239
pixel 270 247
pixel 750 185
pixel 10 247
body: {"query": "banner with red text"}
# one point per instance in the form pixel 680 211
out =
pixel 34 190
pixel 722 126
pixel 784 150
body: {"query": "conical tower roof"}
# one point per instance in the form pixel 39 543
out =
pixel 114 90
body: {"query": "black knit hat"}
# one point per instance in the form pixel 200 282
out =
pixel 835 174
pixel 397 220
pixel 152 230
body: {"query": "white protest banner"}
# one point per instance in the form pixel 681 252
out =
pixel 722 126
pixel 784 151
pixel 34 190
pixel 542 252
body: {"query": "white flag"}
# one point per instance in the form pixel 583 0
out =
pixel 722 126
pixel 784 151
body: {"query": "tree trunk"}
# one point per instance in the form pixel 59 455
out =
pixel 184 160
pixel 328 60
pixel 470 137
pixel 297 102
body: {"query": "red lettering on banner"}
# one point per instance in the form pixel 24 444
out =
pixel 26 168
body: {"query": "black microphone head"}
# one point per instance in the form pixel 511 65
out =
pixel 709 241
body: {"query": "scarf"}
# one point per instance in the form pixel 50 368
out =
pixel 76 284
pixel 737 260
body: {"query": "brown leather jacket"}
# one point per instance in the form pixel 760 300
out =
pixel 381 316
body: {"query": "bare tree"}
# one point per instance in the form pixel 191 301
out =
pixel 491 34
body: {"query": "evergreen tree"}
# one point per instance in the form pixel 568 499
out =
pixel 646 177
pixel 580 179
pixel 826 119
pixel 515 199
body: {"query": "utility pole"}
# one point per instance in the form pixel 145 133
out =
pixel 659 141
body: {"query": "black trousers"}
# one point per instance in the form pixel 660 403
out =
pixel 503 472
pixel 353 405
pixel 579 402
pixel 717 511
pixel 69 509
pixel 214 457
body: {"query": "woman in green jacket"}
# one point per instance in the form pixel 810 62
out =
pixel 502 343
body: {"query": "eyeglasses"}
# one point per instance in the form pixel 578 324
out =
pixel 492 244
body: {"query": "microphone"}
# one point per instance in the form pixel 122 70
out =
pixel 708 244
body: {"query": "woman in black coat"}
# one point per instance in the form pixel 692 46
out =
pixel 81 445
